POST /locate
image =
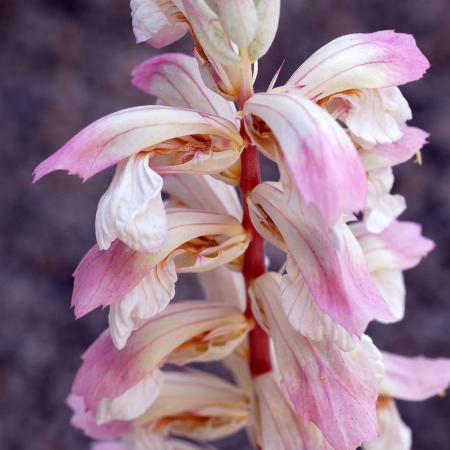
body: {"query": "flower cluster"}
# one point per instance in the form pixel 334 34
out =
pixel 306 376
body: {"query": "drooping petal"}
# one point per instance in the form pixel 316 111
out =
pixel 124 133
pixel 335 390
pixel 268 12
pixel 386 155
pixel 203 192
pixel 304 314
pixel 174 78
pixel 132 208
pixel 331 262
pixel 401 246
pixel 360 61
pixel 104 277
pixel 157 21
pixel 416 378
pixel 148 298
pixel 382 206
pixel 279 426
pixel 197 405
pixel 107 374
pixel 84 420
pixel 394 434
pixel 321 162
pixel 375 115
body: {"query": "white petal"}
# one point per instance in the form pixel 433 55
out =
pixel 132 208
pixel 392 286
pixel 133 402
pixel 148 298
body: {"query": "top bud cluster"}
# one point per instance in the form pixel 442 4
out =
pixel 334 130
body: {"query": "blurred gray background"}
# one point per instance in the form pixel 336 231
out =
pixel 65 63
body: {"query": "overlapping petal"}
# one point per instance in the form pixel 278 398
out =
pixel 184 332
pixel 175 80
pixel 321 162
pixel 331 262
pixel 335 390
pixel 278 425
pixel 178 140
pixel 206 240
pixel 360 61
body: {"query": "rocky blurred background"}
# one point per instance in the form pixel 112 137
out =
pixel 65 63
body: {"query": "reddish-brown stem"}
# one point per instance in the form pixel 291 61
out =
pixel 254 264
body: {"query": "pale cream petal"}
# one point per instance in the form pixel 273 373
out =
pixel 132 208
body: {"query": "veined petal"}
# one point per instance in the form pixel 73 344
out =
pixel 268 12
pixel 320 160
pixel 107 373
pixel 331 262
pixel 239 20
pixel 360 61
pixel 132 208
pixel 225 285
pixel 304 314
pixel 148 298
pixel 202 192
pixel 157 21
pixel 174 78
pixel 386 155
pixel 374 115
pixel 84 420
pixel 320 378
pixel 158 129
pixel 414 379
pixel 278 425
pixel 394 434
pixel 401 246
pixel 197 405
pixel 104 277
pixel 382 206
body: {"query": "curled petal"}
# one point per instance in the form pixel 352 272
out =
pixel 85 420
pixel 268 12
pixel 145 128
pixel 321 162
pixel 400 247
pixel 320 378
pixel 278 425
pixel 382 206
pixel 393 432
pixel 104 277
pixel 386 155
pixel 107 374
pixel 132 208
pixel 360 61
pixel 148 298
pixel 198 406
pixel 414 379
pixel 174 78
pixel 202 192
pixel 157 21
pixel 373 115
pixel 331 262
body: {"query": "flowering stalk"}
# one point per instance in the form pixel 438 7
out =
pixel 306 374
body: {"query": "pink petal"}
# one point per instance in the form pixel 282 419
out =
pixel 331 261
pixel 174 78
pixel 107 373
pixel 320 159
pixel 414 379
pixel 124 133
pixel 384 155
pixel 335 390
pixel 358 61
pixel 109 446
pixel 84 420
